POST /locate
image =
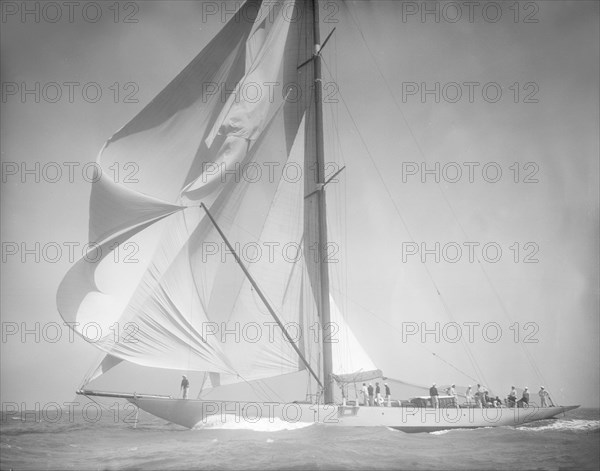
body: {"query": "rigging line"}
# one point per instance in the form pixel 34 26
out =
pixel 266 386
pixel 503 308
pixel 420 345
pixel 102 406
pixel 255 387
pixel 470 355
pixel 259 388
pixel 100 356
pixel 452 366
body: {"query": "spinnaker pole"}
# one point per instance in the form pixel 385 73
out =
pixel 261 295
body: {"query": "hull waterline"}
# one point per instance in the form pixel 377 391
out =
pixel 189 413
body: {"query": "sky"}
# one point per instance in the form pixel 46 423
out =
pixel 518 92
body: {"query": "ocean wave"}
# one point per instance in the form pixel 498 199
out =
pixel 576 425
pixel 455 430
pixel 29 427
pixel 440 432
pixel 232 422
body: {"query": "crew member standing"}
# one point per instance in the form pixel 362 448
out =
pixel 479 396
pixel 469 396
pixel 388 395
pixel 543 395
pixel 452 393
pixel 365 394
pixel 185 385
pixel 433 392
pixel 525 397
pixel 512 397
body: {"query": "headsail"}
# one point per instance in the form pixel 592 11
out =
pixel 351 362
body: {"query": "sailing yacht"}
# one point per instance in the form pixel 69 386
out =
pixel 231 204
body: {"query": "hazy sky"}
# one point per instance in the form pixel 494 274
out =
pixel 519 96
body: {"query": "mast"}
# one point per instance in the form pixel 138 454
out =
pixel 321 215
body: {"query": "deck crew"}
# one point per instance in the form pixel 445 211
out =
pixel 469 395
pixel 525 397
pixel 479 396
pixel 378 398
pixel 543 395
pixel 452 392
pixel 524 401
pixel 512 397
pixel 365 394
pixel 433 392
pixel 388 395
pixel 185 386
pixel 370 390
pixel 485 399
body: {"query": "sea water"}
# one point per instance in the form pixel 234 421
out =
pixel 67 441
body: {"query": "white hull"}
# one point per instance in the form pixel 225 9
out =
pixel 190 412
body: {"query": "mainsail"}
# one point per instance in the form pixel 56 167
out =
pixel 234 131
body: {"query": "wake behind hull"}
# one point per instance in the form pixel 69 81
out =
pixel 190 412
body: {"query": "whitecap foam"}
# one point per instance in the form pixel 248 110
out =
pixel 233 422
pixel 462 430
pixel 562 425
pixel 439 432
